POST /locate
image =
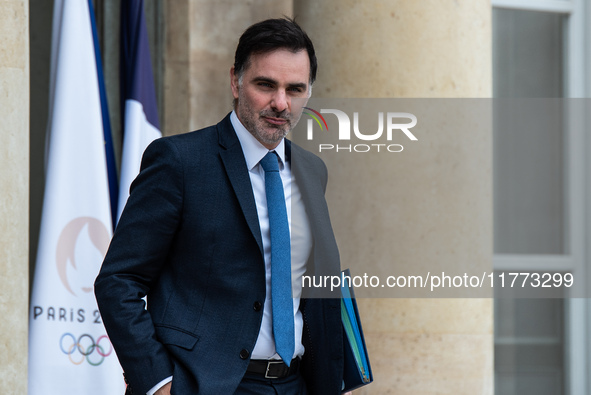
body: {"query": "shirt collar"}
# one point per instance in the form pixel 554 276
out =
pixel 253 150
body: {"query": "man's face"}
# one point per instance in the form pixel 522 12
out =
pixel 265 92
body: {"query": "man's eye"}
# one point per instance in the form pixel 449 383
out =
pixel 265 85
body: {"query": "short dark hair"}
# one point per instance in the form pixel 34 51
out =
pixel 270 35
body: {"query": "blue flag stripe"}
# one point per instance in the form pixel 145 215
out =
pixel 137 77
pixel 109 150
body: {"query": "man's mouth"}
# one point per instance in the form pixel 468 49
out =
pixel 276 121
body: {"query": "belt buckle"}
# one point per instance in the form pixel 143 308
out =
pixel 269 363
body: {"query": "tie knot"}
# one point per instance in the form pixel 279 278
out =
pixel 269 162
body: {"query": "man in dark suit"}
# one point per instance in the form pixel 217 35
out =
pixel 197 238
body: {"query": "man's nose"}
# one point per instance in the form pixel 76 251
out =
pixel 279 102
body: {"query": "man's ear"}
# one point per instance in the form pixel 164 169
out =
pixel 234 83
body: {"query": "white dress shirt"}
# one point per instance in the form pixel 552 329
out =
pixel 301 239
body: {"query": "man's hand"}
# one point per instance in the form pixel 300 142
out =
pixel 164 390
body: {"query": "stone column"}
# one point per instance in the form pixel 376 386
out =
pixel 200 40
pixel 418 49
pixel 14 201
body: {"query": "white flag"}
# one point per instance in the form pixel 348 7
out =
pixel 69 351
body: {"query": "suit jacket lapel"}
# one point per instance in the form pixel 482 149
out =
pixel 235 164
pixel 312 191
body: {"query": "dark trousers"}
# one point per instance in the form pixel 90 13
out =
pixel 253 384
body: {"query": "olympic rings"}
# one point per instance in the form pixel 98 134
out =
pixel 99 350
pixel 85 349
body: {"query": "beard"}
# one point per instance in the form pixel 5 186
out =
pixel 266 133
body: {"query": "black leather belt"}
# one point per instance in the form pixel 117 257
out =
pixel 273 369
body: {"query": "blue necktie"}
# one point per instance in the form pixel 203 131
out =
pixel 281 297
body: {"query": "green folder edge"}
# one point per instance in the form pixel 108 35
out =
pixel 355 339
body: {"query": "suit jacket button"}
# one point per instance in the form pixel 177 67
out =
pixel 244 353
pixel 257 306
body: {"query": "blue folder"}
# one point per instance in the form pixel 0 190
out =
pixel 357 370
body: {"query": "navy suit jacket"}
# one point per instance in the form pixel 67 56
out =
pixel 189 239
